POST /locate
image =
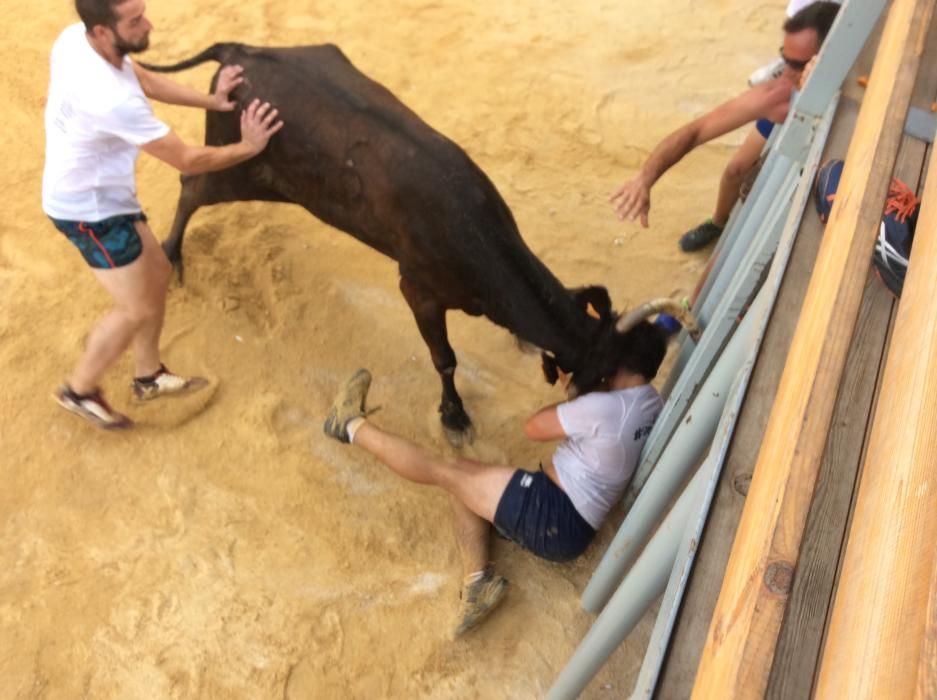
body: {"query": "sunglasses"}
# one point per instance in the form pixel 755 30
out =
pixel 791 63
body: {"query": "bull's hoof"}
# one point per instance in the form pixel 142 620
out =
pixel 459 438
pixel 457 426
pixel 175 259
pixel 179 269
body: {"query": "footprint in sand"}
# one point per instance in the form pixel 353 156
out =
pixel 292 423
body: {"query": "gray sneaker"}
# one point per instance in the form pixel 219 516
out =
pixel 347 405
pixel 700 237
pixel 92 407
pixel 165 383
pixel 479 598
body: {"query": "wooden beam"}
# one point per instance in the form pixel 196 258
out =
pixel 927 666
pixel 742 637
pixel 797 657
pixel 879 630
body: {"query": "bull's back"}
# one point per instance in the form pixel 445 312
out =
pixel 359 159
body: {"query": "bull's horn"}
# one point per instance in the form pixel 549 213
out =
pixel 671 306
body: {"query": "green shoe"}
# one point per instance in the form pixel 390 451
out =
pixel 479 598
pixel 699 237
pixel 347 405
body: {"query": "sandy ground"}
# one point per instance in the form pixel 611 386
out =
pixel 225 548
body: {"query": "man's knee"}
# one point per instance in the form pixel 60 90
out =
pixel 139 312
pixel 736 170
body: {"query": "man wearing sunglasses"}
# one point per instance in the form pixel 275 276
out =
pixel 766 104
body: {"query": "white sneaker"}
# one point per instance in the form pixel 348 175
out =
pixel 164 383
pixel 771 71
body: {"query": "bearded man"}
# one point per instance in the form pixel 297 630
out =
pixel 97 120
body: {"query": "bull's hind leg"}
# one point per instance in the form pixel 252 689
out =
pixel 430 317
pixel 189 202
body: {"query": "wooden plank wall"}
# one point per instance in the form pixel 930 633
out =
pixel 876 639
pixel 743 634
pixel 797 658
pixel 706 580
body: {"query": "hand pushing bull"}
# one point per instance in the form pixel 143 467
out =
pixel 97 119
pixel 553 511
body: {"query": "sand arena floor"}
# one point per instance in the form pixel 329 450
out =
pixel 225 548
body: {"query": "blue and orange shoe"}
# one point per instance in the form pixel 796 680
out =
pixel 895 236
pixel 825 190
pixel 896 232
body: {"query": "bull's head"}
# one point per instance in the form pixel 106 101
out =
pixel 608 327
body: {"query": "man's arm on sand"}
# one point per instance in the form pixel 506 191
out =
pixel 258 123
pixel 159 87
pixel 633 199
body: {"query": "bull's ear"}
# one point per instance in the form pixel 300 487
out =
pixel 550 373
pixel 596 297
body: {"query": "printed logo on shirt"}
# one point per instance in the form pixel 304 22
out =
pixel 66 112
pixel 642 432
pixel 526 481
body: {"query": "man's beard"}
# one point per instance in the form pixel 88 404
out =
pixel 123 47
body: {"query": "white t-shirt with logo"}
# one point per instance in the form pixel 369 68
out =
pixel 96 119
pixel 606 431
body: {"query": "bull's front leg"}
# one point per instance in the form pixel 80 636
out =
pixel 430 317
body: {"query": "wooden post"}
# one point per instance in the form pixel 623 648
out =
pixel 740 645
pixel 880 641
pixel 927 665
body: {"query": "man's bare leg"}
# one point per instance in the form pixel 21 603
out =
pixel 159 271
pixel 733 176
pixel 476 485
pixel 473 533
pixel 474 489
pixel 474 492
pixel 139 302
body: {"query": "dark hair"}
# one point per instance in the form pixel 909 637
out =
pixel 95 12
pixel 640 350
pixel 818 16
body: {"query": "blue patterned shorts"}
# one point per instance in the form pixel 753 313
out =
pixel 109 243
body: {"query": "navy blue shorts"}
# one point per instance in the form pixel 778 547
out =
pixel 111 242
pixel 764 127
pixel 538 515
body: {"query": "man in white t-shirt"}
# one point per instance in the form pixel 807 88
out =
pixel 97 120
pixel 553 512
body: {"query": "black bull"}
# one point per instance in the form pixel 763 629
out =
pixel 358 159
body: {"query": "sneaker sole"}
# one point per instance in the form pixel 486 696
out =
pixel 93 419
pixel 490 604
pixel 341 410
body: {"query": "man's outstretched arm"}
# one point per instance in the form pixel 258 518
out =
pixel 160 88
pixel 633 199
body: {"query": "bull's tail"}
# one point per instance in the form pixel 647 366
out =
pixel 215 52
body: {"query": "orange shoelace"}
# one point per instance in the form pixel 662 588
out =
pixel 902 202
